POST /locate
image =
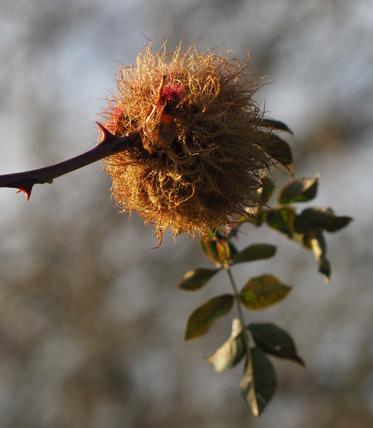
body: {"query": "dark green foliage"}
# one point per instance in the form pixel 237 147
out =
pixel 267 190
pixel 275 341
pixel 299 190
pixel 254 252
pixel 277 125
pixel 281 219
pixel 307 228
pixel 203 317
pixel 323 218
pixel 196 279
pixel 258 383
pixel 315 241
pixel 263 291
pixel 280 151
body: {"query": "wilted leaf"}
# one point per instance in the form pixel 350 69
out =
pixel 263 291
pixel 231 352
pixel 299 190
pixel 276 124
pixel 219 250
pixel 267 190
pixel 282 220
pixel 325 219
pixel 202 318
pixel 196 279
pixel 258 383
pixel 254 252
pixel 275 341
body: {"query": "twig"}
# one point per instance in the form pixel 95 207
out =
pixel 245 336
pixel 110 144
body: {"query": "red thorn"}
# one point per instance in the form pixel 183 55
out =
pixel 26 190
pixel 104 132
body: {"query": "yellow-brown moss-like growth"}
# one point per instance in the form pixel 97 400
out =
pixel 205 144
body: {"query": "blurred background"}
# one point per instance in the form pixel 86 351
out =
pixel 91 323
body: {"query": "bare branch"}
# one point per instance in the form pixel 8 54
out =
pixel 110 144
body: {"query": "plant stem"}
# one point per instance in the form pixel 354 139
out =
pixel 110 144
pixel 245 336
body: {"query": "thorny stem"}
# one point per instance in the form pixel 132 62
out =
pixel 245 336
pixel 110 144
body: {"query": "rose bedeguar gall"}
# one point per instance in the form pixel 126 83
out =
pixel 205 144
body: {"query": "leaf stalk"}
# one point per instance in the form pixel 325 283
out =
pixel 245 335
